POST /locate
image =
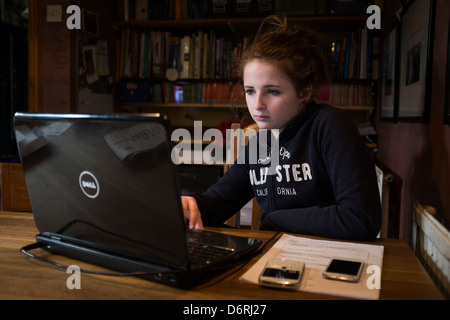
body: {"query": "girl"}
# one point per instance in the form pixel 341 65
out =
pixel 324 183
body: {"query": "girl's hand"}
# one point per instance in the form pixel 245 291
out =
pixel 191 212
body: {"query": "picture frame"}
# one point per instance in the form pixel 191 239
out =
pixel 416 43
pixel 447 84
pixel 389 74
pixel 90 23
pixel 90 63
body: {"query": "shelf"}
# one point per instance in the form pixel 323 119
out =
pixel 134 105
pixel 182 114
pixel 355 108
pixel 180 105
pixel 320 23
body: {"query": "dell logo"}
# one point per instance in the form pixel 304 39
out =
pixel 89 184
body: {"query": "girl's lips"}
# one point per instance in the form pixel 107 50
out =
pixel 261 118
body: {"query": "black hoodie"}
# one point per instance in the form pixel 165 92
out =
pixel 323 184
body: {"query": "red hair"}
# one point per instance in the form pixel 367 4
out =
pixel 296 50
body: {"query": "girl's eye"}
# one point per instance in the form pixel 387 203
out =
pixel 249 91
pixel 273 92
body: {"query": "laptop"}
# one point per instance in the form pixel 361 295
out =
pixel 104 190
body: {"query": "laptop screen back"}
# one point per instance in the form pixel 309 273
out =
pixel 108 180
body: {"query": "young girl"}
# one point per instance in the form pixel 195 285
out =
pixel 324 183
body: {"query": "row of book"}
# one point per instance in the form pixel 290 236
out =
pixel 156 55
pixel 228 93
pixel 159 55
pixel 355 57
pixel 143 10
pixel 217 93
pixel 346 94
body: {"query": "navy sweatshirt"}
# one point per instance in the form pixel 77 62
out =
pixel 324 183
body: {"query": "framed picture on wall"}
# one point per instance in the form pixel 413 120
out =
pixel 90 23
pixel 447 84
pixel 389 75
pixel 415 60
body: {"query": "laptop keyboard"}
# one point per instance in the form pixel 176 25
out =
pixel 204 248
pixel 201 254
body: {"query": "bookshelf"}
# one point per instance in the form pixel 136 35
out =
pixel 319 23
pixel 353 82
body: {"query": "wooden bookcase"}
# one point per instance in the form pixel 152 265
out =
pixel 332 29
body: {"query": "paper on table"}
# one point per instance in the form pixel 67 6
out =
pixel 316 254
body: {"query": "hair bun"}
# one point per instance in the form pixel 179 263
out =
pixel 294 48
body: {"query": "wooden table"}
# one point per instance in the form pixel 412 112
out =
pixel 22 277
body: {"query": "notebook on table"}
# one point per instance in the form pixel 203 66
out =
pixel 103 189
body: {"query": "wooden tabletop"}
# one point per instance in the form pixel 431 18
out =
pixel 22 277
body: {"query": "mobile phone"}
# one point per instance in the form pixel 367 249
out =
pixel 282 273
pixel 344 270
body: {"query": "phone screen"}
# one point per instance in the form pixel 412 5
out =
pixel 344 267
pixel 281 273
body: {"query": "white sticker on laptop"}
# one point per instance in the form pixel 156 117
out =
pixel 140 138
pixel 89 184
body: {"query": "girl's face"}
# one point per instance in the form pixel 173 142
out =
pixel 271 97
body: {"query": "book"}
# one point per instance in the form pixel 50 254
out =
pixel 141 8
pixel 198 48
pixel 156 37
pixel 173 60
pixel 186 51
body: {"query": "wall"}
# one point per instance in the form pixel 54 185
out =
pixel 97 99
pixel 54 59
pixel 419 152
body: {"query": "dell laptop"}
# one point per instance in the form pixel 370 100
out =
pixel 103 189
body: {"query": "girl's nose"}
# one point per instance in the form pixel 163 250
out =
pixel 259 102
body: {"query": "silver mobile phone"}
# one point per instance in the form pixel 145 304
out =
pixel 344 270
pixel 282 273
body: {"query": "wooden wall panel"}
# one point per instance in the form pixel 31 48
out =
pixel 14 194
